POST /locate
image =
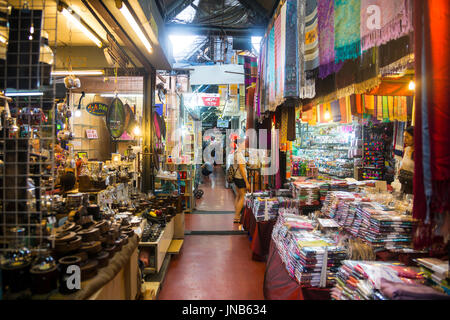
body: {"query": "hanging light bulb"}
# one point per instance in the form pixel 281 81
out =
pixel 137 131
pixel 77 113
pixel 412 85
pixel 327 115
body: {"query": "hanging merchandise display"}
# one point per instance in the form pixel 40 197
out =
pixel 115 118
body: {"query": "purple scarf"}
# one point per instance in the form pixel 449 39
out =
pixel 326 39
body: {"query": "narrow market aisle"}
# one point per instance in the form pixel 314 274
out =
pixel 210 222
pixel 216 197
pixel 214 268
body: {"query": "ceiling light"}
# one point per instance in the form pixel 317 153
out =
pixel 2 39
pixel 120 95
pixel 78 72
pixel 132 22
pixel 137 131
pixel 412 86
pixel 76 20
pixel 23 94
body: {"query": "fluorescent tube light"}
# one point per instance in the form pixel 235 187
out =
pixel 23 94
pixel 76 20
pixel 2 39
pixel 124 95
pixel 78 72
pixel 132 22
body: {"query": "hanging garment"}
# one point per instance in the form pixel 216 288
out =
pixel 335 111
pixel 325 11
pixel 347 21
pixel 278 42
pixel 291 62
pixel 383 21
pixel 311 38
pixel 284 126
pixel 291 136
pixel 379 108
pixel 307 87
pixel 271 70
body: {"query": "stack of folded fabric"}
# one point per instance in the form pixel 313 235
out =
pixel 265 209
pixel 310 258
pixel 436 272
pixel 362 280
pixel 324 187
pixel 334 199
pixel 307 194
pixel 383 229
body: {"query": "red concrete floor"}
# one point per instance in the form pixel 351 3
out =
pixel 210 222
pixel 216 197
pixel 214 268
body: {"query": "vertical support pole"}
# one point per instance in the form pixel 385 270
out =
pixel 147 148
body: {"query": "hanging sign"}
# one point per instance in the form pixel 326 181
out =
pixel 97 108
pixel 115 118
pixel 210 99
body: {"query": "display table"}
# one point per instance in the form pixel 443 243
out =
pixel 278 285
pixel 260 233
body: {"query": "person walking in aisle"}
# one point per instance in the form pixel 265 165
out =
pixel 240 178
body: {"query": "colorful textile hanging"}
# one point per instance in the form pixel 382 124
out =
pixel 279 57
pixel 325 11
pixel 383 21
pixel 345 109
pixel 307 87
pixel 271 70
pixel 284 126
pixel 311 38
pixel 369 105
pixel 291 62
pixel 347 25
pixel 432 119
pixel 335 111
pixel 380 108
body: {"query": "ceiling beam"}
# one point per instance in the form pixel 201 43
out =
pixel 176 7
pixel 103 11
pixel 179 28
pixel 255 7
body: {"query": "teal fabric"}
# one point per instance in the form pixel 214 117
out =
pixel 347 26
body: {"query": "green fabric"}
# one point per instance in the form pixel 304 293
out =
pixel 385 109
pixel 347 26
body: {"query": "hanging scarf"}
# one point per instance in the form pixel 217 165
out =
pixel 311 38
pixel 325 11
pixel 279 56
pixel 291 62
pixel 307 87
pixel 395 21
pixel 335 111
pixel 347 18
pixel 271 69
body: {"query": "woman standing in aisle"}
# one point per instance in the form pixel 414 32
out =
pixel 406 173
pixel 240 178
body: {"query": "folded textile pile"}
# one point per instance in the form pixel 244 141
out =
pixel 436 272
pixel 405 291
pixel 335 199
pixel 324 187
pixel 265 209
pixel 362 280
pixel 307 194
pixel 383 229
pixel 303 252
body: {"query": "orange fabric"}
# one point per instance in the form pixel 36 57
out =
pixel 359 106
pixel 393 88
